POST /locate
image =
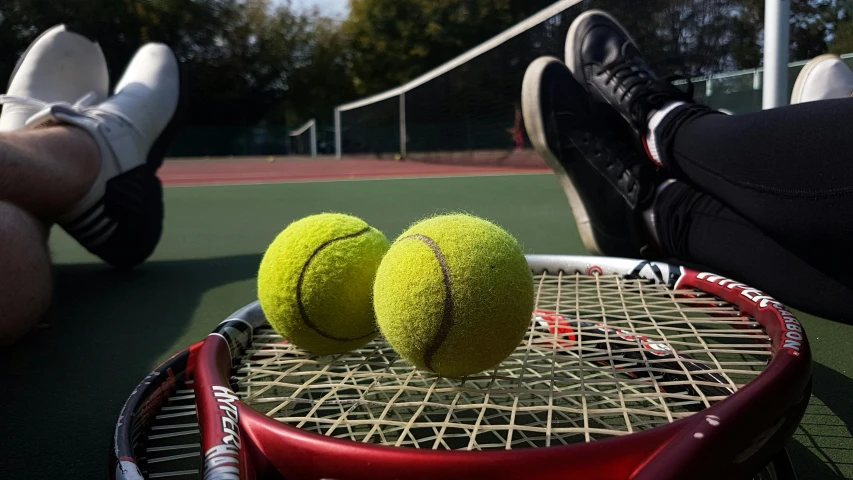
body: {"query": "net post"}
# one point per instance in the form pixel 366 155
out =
pixel 403 125
pixel 313 137
pixel 338 132
pixel 777 26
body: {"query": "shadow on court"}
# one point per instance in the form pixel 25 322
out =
pixel 824 446
pixel 63 385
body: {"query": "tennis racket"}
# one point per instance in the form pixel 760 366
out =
pixel 629 370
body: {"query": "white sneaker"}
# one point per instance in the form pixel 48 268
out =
pixel 121 218
pixel 59 66
pixel 823 78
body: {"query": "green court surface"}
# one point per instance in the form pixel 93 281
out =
pixel 63 386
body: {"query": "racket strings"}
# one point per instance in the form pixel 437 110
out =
pixel 171 446
pixel 604 356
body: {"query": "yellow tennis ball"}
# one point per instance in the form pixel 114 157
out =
pixel 315 282
pixel 454 295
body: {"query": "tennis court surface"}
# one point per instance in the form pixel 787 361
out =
pixel 64 385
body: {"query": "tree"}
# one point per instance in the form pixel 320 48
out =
pixel 840 15
pixel 240 54
pixel 322 81
pixel 393 41
pixel 843 41
pixel 245 72
pixel 253 62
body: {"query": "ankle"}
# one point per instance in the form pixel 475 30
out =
pixel 84 151
pixel 651 139
pixel 77 155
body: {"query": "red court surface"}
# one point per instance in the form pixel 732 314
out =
pixel 259 170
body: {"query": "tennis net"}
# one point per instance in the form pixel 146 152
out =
pixel 467 111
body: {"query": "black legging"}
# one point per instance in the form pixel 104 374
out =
pixel 787 171
pixel 695 227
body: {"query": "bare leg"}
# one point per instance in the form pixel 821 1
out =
pixel 43 174
pixel 25 289
pixel 47 171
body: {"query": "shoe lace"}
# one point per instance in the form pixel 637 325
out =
pixel 642 91
pixel 628 75
pixel 84 107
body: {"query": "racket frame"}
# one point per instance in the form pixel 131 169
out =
pixel 733 438
pixel 138 410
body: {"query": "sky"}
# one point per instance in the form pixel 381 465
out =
pixel 335 8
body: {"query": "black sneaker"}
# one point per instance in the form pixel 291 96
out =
pixel 606 61
pixel 608 183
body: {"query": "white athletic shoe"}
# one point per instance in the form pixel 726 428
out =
pixel 121 218
pixel 823 78
pixel 59 66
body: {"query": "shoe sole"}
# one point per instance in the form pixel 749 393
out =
pixel 573 32
pixel 802 78
pixel 530 101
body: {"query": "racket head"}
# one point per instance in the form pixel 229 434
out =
pixel 733 436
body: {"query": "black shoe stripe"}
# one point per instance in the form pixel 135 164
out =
pixel 129 227
pixel 100 229
pixel 80 221
pixel 88 223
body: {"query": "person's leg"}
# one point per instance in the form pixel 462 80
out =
pixel 787 170
pixel 120 217
pixel 604 179
pixel 695 227
pixel 25 289
pixel 69 154
pixel 47 171
pixel 44 172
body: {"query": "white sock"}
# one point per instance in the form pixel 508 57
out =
pixel 654 122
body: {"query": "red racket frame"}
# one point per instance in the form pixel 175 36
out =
pixel 732 439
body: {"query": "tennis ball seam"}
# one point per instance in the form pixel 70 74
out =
pixel 447 311
pixel 302 311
